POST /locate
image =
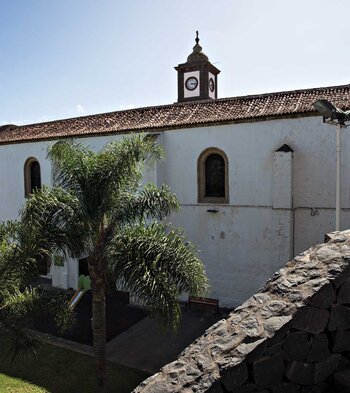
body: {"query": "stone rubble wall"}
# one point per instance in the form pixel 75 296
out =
pixel 293 336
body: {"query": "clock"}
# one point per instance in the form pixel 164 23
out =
pixel 211 85
pixel 191 83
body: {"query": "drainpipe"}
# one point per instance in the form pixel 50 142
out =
pixel 337 201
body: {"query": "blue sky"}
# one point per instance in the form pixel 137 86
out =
pixel 66 58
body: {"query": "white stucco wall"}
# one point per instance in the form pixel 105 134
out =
pixel 243 244
pixel 12 160
pixel 251 237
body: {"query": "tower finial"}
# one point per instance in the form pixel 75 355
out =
pixel 197 39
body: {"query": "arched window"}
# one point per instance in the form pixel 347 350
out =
pixel 32 176
pixel 213 176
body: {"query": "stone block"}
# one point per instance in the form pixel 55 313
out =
pixel 277 324
pixel 341 341
pixel 336 237
pixel 296 346
pixel 344 362
pixel 253 350
pixel 305 389
pixel 274 349
pixel 319 349
pixel 322 388
pixel 277 334
pixel 300 373
pixel 216 387
pixel 233 377
pixel 344 293
pixel 326 368
pixel 277 307
pixel 311 319
pixel 256 354
pixel 341 279
pixel 252 326
pixel 324 297
pixel 342 380
pixel 249 388
pixel 295 295
pixel 339 318
pixel 159 386
pixel 327 252
pixel 286 387
pixel 268 371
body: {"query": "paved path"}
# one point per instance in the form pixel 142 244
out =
pixel 146 347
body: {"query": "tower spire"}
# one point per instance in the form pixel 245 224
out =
pixel 197 78
pixel 197 39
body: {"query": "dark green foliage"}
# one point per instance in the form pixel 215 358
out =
pixel 20 250
pixel 156 265
pixel 57 220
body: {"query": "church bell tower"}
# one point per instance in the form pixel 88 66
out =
pixel 197 78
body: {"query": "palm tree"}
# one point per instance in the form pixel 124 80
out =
pixel 98 208
pixel 20 302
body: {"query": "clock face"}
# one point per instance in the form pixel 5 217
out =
pixel 191 83
pixel 211 85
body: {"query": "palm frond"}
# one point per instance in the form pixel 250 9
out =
pixel 95 177
pixel 55 220
pixel 8 230
pixel 16 342
pixel 19 303
pixel 156 265
pixel 19 307
pixel 17 260
pixel 149 202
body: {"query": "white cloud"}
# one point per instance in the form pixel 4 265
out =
pixel 81 110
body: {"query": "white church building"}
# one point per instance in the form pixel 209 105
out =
pixel 255 175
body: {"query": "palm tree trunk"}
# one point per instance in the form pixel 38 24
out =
pixel 98 288
pixel 99 333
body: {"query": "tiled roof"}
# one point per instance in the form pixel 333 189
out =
pixel 253 107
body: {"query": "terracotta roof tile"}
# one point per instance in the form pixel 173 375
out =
pixel 253 107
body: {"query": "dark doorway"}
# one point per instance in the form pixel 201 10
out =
pixel 83 267
pixel 44 263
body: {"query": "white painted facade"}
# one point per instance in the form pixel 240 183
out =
pixel 280 203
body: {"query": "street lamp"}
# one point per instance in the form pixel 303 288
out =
pixel 337 117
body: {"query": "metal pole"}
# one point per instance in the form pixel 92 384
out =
pixel 337 202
